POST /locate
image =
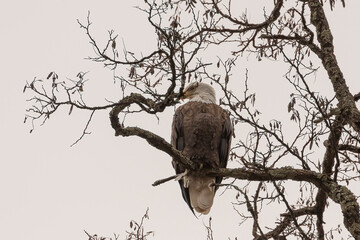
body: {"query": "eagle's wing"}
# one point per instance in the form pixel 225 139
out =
pixel 177 140
pixel 225 143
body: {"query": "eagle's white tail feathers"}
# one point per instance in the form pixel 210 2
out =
pixel 201 193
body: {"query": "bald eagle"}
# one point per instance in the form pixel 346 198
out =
pixel 202 131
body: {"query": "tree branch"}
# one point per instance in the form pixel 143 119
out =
pixel 346 99
pixel 350 148
pixel 153 139
pixel 339 194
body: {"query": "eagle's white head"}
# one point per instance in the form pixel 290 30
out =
pixel 200 92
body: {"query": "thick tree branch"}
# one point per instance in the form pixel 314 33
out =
pixel 339 194
pixel 153 139
pixel 350 148
pixel 328 163
pixel 328 58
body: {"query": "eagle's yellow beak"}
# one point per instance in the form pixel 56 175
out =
pixel 184 96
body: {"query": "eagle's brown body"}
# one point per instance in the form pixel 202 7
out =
pixel 202 131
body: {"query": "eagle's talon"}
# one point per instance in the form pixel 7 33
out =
pixel 186 182
pixel 181 175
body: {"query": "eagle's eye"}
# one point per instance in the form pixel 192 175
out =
pixel 193 86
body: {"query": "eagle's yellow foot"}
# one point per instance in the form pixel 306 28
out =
pixel 186 181
pixel 181 175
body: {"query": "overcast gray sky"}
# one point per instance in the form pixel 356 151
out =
pixel 49 190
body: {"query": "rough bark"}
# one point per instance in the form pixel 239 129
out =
pixel 346 100
pixel 339 194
